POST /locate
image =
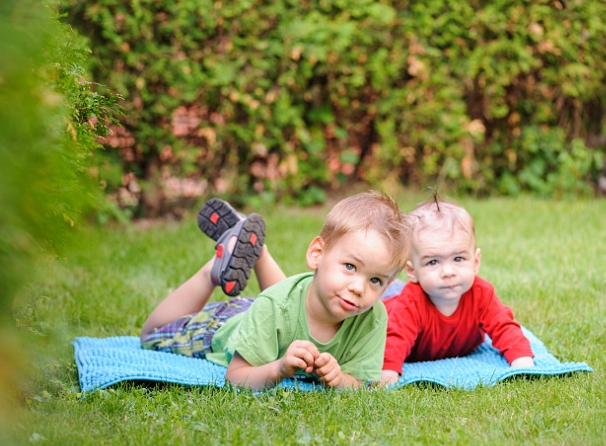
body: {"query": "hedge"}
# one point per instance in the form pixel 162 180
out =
pixel 285 99
pixel 50 122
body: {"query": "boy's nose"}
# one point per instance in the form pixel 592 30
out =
pixel 356 286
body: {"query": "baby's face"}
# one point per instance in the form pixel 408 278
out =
pixel 352 275
pixel 444 263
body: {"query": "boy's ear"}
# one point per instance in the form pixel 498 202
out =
pixel 410 272
pixel 314 253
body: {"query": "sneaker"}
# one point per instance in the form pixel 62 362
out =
pixel 216 217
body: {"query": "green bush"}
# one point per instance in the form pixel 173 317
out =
pixel 281 98
pixel 50 121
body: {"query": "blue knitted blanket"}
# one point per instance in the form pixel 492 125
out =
pixel 105 361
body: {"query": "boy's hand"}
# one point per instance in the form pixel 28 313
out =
pixel 328 370
pixel 300 355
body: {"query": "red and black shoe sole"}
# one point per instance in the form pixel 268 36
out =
pixel 216 217
pixel 245 255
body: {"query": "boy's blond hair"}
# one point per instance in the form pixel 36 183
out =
pixel 370 211
pixel 437 214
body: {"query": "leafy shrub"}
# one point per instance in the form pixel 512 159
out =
pixel 282 98
pixel 50 121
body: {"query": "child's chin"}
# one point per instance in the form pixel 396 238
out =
pixel 447 295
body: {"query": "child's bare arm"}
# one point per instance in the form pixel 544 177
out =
pixel 329 371
pixel 524 361
pixel 300 355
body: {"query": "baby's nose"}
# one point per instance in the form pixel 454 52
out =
pixel 447 269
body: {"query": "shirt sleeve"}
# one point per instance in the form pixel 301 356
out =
pixel 256 339
pixel 367 339
pixel 498 322
pixel 402 331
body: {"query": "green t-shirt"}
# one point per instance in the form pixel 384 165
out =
pixel 277 317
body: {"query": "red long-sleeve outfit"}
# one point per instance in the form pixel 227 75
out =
pixel 417 331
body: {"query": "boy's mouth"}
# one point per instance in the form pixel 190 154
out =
pixel 347 304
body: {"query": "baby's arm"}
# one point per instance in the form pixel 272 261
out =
pixel 506 333
pixel 300 355
pixel 389 377
pixel 524 361
pixel 329 371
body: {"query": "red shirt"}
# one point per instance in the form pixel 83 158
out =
pixel 417 331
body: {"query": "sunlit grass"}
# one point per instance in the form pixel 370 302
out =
pixel 545 259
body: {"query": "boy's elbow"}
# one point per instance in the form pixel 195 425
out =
pixel 238 380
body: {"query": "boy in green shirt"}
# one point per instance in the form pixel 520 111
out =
pixel 323 324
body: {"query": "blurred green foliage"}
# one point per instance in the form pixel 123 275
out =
pixel 281 99
pixel 50 120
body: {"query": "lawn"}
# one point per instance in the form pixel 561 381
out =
pixel 545 258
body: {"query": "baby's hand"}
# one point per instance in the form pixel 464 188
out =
pixel 300 355
pixel 389 377
pixel 328 370
pixel 524 361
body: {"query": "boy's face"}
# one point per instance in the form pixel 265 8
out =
pixel 444 263
pixel 350 277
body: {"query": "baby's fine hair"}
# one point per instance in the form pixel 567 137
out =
pixel 437 214
pixel 370 211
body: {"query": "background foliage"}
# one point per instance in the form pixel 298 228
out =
pixel 285 99
pixel 50 121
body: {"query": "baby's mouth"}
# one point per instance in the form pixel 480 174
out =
pixel 450 286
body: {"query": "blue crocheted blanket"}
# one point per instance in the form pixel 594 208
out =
pixel 105 361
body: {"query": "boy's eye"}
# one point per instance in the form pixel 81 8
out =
pixel 376 281
pixel 433 262
pixel 459 259
pixel 350 267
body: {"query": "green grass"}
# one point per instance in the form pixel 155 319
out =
pixel 546 260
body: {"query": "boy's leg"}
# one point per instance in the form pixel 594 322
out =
pixel 218 216
pixel 189 298
pixel 192 335
pixel 193 295
pixel 237 253
pixel 268 272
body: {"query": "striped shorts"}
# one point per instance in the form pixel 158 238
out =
pixel 192 335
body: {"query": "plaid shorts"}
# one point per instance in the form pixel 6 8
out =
pixel 192 335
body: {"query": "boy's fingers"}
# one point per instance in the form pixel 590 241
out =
pixel 322 360
pixel 307 357
pixel 312 349
pixel 305 354
pixel 331 378
pixel 326 367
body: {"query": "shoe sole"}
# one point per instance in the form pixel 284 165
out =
pixel 216 217
pixel 245 255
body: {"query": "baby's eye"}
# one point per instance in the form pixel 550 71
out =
pixel 459 259
pixel 433 262
pixel 350 267
pixel 376 281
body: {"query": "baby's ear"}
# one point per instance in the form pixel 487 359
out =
pixel 314 253
pixel 410 272
pixel 478 257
